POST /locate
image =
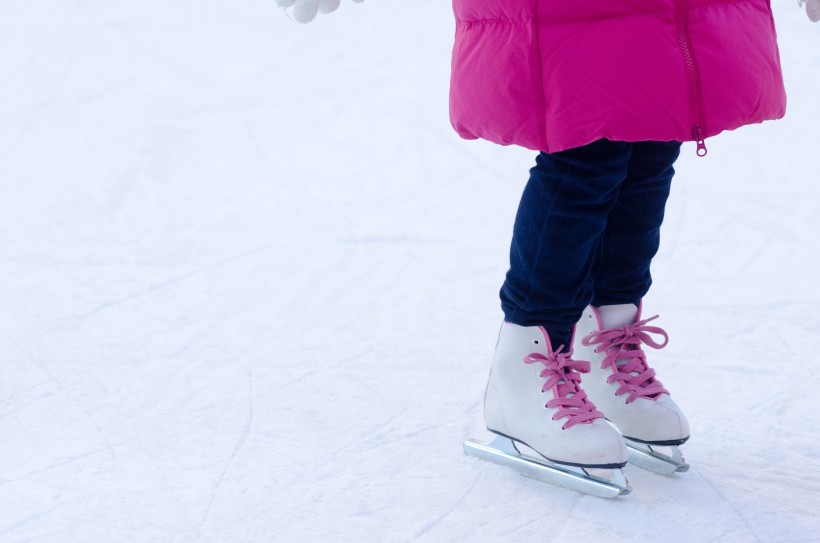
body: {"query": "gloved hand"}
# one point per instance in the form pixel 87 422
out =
pixel 812 9
pixel 305 11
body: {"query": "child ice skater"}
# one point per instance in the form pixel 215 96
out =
pixel 606 91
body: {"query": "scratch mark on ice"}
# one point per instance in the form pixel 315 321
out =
pixel 70 460
pixel 171 282
pixel 26 520
pixel 731 505
pixel 71 396
pixel 240 443
pixel 430 525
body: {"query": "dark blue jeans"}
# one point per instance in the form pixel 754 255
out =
pixel 586 231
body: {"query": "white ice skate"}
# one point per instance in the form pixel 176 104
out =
pixel 534 400
pixel 622 385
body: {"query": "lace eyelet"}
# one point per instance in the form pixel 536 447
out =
pixel 535 342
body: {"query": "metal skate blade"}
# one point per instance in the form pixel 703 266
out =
pixel 502 451
pixel 652 458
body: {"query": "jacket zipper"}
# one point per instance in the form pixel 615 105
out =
pixel 692 77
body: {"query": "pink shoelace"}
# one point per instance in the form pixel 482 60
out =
pixel 627 360
pixel 564 379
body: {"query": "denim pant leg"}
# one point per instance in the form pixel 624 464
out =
pixel 632 234
pixel 557 235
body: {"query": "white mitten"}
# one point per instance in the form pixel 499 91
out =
pixel 305 11
pixel 812 9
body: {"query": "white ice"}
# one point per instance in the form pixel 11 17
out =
pixel 248 290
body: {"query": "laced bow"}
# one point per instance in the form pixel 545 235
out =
pixel 564 377
pixel 627 360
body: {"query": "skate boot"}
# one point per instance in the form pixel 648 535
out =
pixel 534 400
pixel 622 385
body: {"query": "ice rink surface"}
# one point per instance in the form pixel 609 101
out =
pixel 248 290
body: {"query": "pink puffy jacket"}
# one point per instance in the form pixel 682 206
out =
pixel 550 75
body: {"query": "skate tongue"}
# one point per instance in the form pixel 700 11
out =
pixel 626 358
pixel 616 316
pixel 563 376
pixel 622 342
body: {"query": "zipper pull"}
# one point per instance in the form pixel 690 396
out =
pixel 696 135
